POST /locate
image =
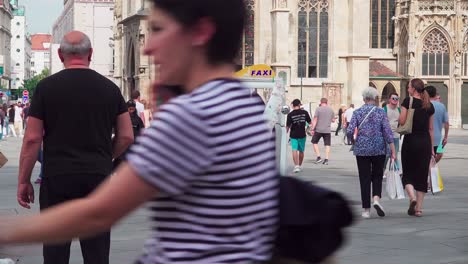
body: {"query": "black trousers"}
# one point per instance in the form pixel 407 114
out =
pixel 338 129
pixel 370 173
pixel 349 137
pixel 56 190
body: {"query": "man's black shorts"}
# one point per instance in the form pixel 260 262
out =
pixel 326 138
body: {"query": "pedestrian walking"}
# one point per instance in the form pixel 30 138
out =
pixel 340 118
pixel 11 120
pixel 18 120
pixel 348 116
pixel 147 113
pixel 374 134
pixel 417 147
pixel 207 164
pixel 26 115
pixel 136 97
pixel 393 114
pixel 441 121
pixel 296 122
pixel 3 116
pixel 137 126
pixel 321 128
pixel 77 144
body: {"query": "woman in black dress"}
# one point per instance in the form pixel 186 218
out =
pixel 417 147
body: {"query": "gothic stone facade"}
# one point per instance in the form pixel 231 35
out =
pixel 335 48
pixel 132 69
pixel 431 43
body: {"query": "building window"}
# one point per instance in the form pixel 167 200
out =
pixel 382 26
pixel 18 36
pixel 435 56
pixel 17 64
pixel 18 23
pixel 246 53
pixel 312 43
pixel 18 50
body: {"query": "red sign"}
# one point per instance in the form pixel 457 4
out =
pixel 25 93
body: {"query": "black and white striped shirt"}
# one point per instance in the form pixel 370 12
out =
pixel 211 156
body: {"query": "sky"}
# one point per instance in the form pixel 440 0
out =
pixel 41 14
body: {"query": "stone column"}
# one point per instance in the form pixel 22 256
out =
pixel 280 35
pixel 358 58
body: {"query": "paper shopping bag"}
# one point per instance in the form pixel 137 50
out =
pixel 435 179
pixel 3 160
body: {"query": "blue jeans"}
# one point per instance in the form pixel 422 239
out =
pixel 396 141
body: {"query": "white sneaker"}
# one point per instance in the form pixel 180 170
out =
pixel 365 214
pixel 297 169
pixel 378 207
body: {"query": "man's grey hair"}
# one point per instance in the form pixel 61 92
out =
pixel 370 93
pixel 81 48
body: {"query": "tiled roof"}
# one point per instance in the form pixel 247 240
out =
pixel 38 41
pixel 377 69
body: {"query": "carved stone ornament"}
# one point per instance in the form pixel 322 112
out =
pixel 283 3
pixel 435 42
pixel 436 6
pixel 314 5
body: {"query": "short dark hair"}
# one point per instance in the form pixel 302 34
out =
pixel 135 94
pixel 393 93
pixel 431 90
pixel 296 102
pixel 131 103
pixel 324 101
pixel 227 15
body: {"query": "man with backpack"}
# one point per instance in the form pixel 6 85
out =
pixel 393 114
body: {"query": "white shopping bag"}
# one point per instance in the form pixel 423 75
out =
pixel 394 185
pixel 435 180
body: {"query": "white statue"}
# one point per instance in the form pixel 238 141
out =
pixel 457 71
pixel 273 106
pixel 411 64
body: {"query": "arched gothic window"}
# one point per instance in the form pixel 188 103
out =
pixel 246 54
pixel 313 38
pixel 382 26
pixel 435 56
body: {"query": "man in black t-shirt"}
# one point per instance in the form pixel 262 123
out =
pixel 73 113
pixel 296 122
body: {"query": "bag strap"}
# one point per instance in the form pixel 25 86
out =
pixel 365 118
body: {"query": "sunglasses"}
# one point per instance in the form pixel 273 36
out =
pixel 395 98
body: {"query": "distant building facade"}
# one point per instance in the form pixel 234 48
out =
pixel 41 52
pixel 6 16
pixel 20 49
pixel 132 69
pixel 95 19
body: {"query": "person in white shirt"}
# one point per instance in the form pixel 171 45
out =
pixel 347 116
pixel 393 115
pixel 19 119
pixel 139 106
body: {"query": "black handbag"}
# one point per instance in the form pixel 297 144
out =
pixel 312 221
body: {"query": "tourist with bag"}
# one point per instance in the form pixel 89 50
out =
pixel 416 123
pixel 373 135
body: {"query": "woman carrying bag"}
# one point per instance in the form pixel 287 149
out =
pixel 416 121
pixel 373 135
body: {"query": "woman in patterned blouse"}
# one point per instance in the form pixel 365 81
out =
pixel 373 136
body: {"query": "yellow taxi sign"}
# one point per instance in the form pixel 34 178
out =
pixel 261 71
